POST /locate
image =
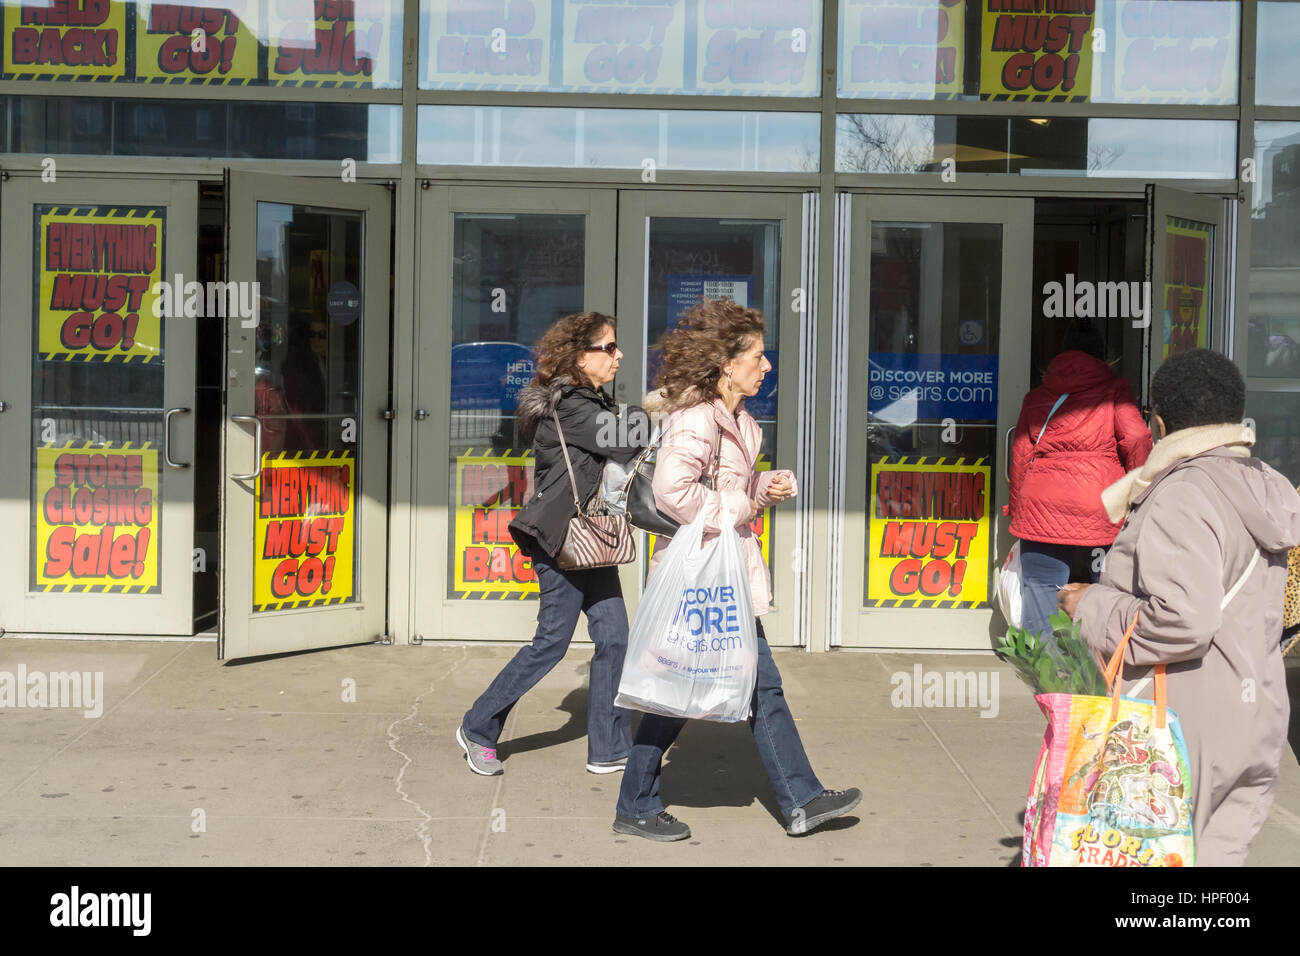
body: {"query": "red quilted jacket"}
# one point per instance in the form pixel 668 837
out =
pixel 1093 439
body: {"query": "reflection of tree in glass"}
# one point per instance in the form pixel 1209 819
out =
pixel 885 144
pixel 1103 155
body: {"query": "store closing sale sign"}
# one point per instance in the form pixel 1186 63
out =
pixel 95 273
pixel 96 518
pixel 304 529
pixel 928 533
pixel 346 43
pixel 490 490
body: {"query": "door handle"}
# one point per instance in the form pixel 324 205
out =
pixel 257 444
pixel 1006 453
pixel 421 414
pixel 167 437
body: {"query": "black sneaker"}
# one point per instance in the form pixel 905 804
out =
pixel 827 805
pixel 665 828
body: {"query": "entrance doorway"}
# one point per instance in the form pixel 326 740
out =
pixel 957 306
pixel 500 267
pixel 305 489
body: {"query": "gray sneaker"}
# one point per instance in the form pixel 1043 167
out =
pixel 480 759
pixel 662 828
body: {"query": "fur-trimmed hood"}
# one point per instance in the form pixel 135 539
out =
pixel 537 401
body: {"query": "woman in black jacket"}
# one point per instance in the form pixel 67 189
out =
pixel 576 358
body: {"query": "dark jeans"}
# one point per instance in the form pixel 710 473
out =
pixel 565 594
pixel 1044 570
pixel 777 738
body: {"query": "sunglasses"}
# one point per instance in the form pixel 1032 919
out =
pixel 609 349
pixel 319 334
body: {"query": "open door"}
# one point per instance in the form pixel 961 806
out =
pixel 96 392
pixel 305 433
pixel 1185 269
pixel 940 303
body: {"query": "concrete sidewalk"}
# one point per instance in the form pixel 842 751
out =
pixel 279 769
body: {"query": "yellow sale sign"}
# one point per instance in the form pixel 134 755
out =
pixel 64 40
pixel 928 533
pixel 490 490
pixel 1187 276
pixel 1036 50
pixel 902 48
pixel 340 42
pixel 201 42
pixel 96 267
pixel 304 530
pixel 96 521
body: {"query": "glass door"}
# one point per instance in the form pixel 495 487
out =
pixel 677 248
pixel 499 267
pixel 96 399
pixel 306 441
pixel 1185 271
pixel 940 304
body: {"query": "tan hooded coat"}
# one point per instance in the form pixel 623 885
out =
pixel 1189 537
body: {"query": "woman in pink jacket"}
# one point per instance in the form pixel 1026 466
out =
pixel 713 360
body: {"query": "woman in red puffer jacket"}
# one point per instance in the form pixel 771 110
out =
pixel 1096 435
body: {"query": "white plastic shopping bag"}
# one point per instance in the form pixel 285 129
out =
pixel 1007 589
pixel 692 648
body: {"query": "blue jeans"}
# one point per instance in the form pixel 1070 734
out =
pixel 1044 570
pixel 777 738
pixel 566 594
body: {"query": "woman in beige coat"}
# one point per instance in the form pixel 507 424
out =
pixel 1202 562
pixel 713 361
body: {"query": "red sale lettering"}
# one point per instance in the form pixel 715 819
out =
pixel 326 51
pixel 104 553
pixel 767 58
pixel 93 247
pixel 56 47
pixel 92 293
pixel 81 13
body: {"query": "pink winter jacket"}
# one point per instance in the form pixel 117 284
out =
pixel 686 452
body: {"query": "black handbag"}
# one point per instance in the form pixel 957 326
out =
pixel 642 512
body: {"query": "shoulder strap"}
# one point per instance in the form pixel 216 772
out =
pixel 567 464
pixel 1232 591
pixel 1059 402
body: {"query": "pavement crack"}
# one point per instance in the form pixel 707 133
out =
pixel 421 831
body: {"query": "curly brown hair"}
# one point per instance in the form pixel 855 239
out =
pixel 709 336
pixel 558 350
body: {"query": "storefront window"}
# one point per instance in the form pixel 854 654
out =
pixel 663 47
pixel 1277 429
pixel 203 129
pixel 1110 51
pixel 1055 146
pixel 1276 81
pixel 1274 296
pixel 619 139
pixel 287 43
